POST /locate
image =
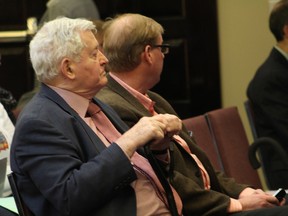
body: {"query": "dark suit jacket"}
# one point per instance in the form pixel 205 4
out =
pixel 187 179
pixel 268 93
pixel 63 168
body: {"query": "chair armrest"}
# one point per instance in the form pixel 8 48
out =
pixel 266 141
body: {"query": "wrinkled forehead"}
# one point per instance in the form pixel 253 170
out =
pixel 88 38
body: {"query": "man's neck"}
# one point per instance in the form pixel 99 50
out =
pixel 283 45
pixel 131 79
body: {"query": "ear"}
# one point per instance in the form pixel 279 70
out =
pixel 147 55
pixel 66 68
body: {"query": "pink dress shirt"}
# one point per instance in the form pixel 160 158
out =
pixel 235 205
pixel 150 196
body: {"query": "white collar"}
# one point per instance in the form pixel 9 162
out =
pixel 281 51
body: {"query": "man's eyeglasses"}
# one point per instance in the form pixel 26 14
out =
pixel 163 47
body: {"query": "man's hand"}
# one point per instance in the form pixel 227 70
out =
pixel 150 130
pixel 259 199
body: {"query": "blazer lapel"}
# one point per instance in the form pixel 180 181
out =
pixel 53 96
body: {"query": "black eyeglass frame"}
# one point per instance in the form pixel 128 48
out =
pixel 164 47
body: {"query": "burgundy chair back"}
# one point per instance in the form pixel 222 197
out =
pixel 229 134
pixel 199 129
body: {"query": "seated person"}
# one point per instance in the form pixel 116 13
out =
pixel 8 102
pixel 71 154
pixel 6 134
pixel 268 94
pixel 134 46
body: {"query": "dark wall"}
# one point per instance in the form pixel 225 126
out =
pixel 16 74
pixel 14 13
pixel 190 79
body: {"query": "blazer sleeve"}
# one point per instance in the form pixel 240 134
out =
pixel 74 173
pixel 188 183
pixel 273 105
pixel 268 92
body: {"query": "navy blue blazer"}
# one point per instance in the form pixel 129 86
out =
pixel 63 168
pixel 268 93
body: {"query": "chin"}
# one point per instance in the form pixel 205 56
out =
pixel 103 82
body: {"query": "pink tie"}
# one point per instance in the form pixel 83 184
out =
pixel 177 138
pixel 102 123
pixel 140 163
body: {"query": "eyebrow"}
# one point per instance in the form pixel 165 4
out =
pixel 94 48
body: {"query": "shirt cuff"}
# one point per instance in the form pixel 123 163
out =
pixel 235 206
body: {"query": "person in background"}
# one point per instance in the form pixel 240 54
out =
pixel 134 46
pixel 72 154
pixel 6 134
pixel 7 121
pixel 268 95
pixel 70 8
pixel 9 103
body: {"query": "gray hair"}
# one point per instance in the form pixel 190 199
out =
pixel 56 40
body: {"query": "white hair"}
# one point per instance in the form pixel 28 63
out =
pixel 56 40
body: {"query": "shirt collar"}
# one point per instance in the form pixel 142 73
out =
pixel 77 102
pixel 281 51
pixel 142 98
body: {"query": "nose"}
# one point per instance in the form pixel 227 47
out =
pixel 103 59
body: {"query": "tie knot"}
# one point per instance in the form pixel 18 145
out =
pixel 93 109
